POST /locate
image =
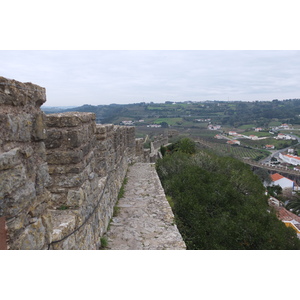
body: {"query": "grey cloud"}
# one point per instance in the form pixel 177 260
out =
pixel 103 77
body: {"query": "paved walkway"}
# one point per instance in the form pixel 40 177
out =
pixel 145 220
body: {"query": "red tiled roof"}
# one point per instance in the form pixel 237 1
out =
pixel 276 177
pixel 285 215
pixel 295 157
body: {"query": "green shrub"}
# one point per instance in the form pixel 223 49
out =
pixel 219 203
pixel 103 242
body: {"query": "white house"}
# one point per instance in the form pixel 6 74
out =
pixel 214 127
pixel 258 129
pixel 253 137
pixel 154 126
pixel 284 126
pixel 127 123
pixel 290 159
pixel 282 136
pixel 282 181
pixel 232 133
pixel 219 136
pixel 233 142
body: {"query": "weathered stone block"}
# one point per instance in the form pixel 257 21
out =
pixel 39 128
pixel 47 222
pixel 75 198
pixel 58 198
pixel 101 129
pixel 65 169
pixel 43 179
pixel 18 201
pixel 70 180
pixel 27 151
pixel 54 139
pixel 65 157
pixel 10 159
pixel 74 139
pixel 87 148
pixel 40 204
pixel 16 93
pixel 12 179
pixel 63 224
pixel 69 119
pixel 16 127
pixel 33 237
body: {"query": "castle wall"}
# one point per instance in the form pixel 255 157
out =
pixel 59 174
pixel 24 176
pixel 87 164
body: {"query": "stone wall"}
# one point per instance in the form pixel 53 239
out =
pixel 87 164
pixel 24 176
pixel 160 142
pixel 59 174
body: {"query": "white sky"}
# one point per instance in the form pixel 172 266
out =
pixel 214 51
pixel 106 76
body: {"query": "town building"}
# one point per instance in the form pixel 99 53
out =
pixel 233 142
pixel 219 136
pixel 290 159
pixel 253 137
pixel 232 133
pixel 284 126
pixel 214 127
pixel 282 181
pixel 154 126
pixel 289 219
pixel 258 129
pixel 282 136
pixel 127 123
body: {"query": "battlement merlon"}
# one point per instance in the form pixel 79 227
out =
pixel 16 93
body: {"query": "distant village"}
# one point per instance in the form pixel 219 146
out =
pixel 232 136
pixel 286 158
pixel 132 123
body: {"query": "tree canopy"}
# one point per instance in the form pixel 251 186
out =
pixel 219 203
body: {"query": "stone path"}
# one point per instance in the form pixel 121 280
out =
pixel 145 220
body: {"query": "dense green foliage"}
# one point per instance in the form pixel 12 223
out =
pixel 294 204
pixel 184 145
pixel 235 113
pixel 219 203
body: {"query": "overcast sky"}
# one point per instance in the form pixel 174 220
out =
pixel 74 78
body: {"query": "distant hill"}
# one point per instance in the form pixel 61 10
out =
pixel 55 109
pixel 230 113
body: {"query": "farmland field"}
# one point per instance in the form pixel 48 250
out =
pixel 238 151
pixel 246 126
pixel 274 123
pixel 279 144
pixel 257 133
pixel 170 121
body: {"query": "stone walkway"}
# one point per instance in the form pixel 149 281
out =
pixel 145 220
